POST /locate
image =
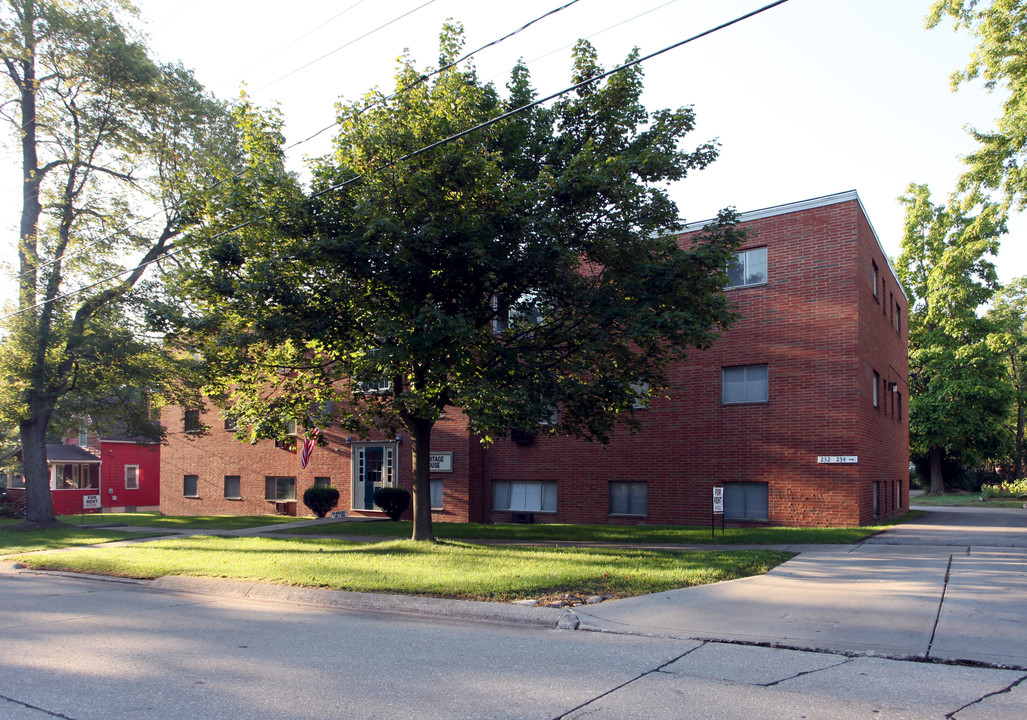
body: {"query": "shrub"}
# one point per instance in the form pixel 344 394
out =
pixel 1008 489
pixel 321 500
pixel 393 500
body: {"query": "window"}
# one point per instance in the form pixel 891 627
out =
pixel 749 268
pixel 190 485
pixel 75 476
pixel 131 477
pixel 898 405
pixel 374 387
pixel 525 312
pixel 230 424
pixel 642 396
pixel 192 421
pixel 744 384
pixel 279 488
pixel 898 318
pixel 233 487
pixel 322 482
pixel 524 496
pixel 876 276
pixel 877 386
pixel 628 498
pixel 436 494
pixel 746 501
pixel 83 437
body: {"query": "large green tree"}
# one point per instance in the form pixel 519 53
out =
pixel 107 137
pixel 521 273
pixel 1008 312
pixel 959 396
pixel 1000 27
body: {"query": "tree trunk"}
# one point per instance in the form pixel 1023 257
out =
pixel 937 481
pixel 420 432
pixel 39 501
pixel 1018 454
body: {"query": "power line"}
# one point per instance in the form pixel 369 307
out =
pixel 342 47
pixel 423 78
pixel 426 148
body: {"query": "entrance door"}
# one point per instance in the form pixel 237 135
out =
pixel 374 468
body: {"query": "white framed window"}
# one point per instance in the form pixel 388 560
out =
pixel 744 384
pixel 83 437
pixel 524 496
pixel 374 387
pixel 191 485
pixel 748 268
pixel 629 498
pixel 746 501
pixel 233 487
pixel 131 477
pixel 436 494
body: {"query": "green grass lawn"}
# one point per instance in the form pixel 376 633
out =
pixel 18 541
pixel 448 569
pixel 967 500
pixel 629 534
pixel 183 522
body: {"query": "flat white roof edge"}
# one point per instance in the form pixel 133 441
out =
pixel 809 204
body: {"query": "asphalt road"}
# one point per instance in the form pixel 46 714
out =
pixel 85 649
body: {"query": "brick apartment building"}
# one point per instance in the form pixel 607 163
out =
pixel 798 412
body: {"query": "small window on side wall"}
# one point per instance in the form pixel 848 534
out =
pixel 233 487
pixel 191 485
pixel 749 268
pixel 744 384
pixel 131 477
pixel 436 494
pixel 629 498
pixel 746 501
pixel 192 421
pixel 876 390
pixel 323 482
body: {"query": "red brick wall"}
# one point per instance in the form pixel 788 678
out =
pixel 811 323
pixel 815 323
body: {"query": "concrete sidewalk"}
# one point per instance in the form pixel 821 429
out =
pixel 950 598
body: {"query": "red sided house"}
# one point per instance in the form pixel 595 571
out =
pixel 124 473
pixel 797 415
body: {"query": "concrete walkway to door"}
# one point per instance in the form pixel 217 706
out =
pixel 951 586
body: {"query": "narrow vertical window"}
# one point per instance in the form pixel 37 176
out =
pixel 876 391
pixel 873 283
pixel 192 421
pixel 131 477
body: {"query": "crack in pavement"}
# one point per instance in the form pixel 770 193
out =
pixel 624 684
pixel 982 698
pixel 941 603
pixel 804 672
pixel 30 706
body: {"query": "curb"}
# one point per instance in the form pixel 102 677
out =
pixel 473 610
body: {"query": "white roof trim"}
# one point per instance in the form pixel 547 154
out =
pixel 816 202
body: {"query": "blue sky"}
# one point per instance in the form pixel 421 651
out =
pixel 809 98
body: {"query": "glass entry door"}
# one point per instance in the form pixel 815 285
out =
pixel 374 468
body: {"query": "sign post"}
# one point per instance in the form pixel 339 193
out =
pixel 718 509
pixel 90 502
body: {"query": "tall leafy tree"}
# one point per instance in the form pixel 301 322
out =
pixel 1000 26
pixel 521 273
pixel 1008 312
pixel 107 136
pixel 959 396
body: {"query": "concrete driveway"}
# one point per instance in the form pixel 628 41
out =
pixel 950 587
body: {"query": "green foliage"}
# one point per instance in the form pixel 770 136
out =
pixel 958 390
pixel 321 500
pixel 523 267
pixel 1007 489
pixel 1008 312
pixel 393 500
pixel 106 135
pixel 1000 27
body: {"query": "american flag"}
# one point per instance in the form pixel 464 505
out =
pixel 308 447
